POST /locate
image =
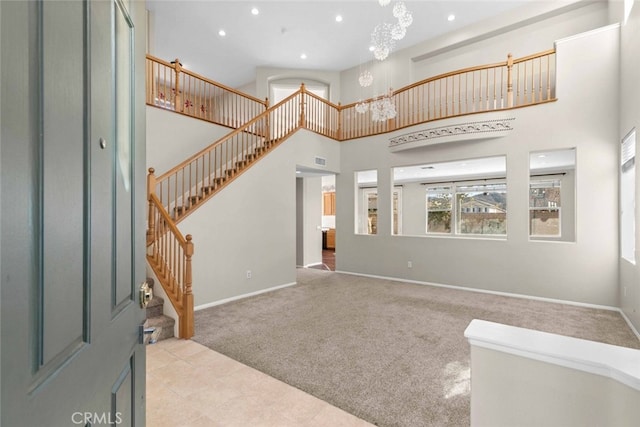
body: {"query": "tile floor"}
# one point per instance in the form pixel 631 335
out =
pixel 190 385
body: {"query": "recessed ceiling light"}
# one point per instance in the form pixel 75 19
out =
pixel 222 33
pixel 255 11
pixel 451 17
pixel 338 18
pixel 542 156
pixel 372 48
pixel 298 172
pixel 303 56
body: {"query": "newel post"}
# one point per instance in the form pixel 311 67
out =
pixel 151 189
pixel 509 80
pixel 177 67
pixel 302 91
pixel 186 326
pixel 339 132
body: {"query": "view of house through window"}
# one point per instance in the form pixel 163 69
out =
pixel 482 208
pixel 628 197
pixel 366 202
pixel 465 197
pixel 552 195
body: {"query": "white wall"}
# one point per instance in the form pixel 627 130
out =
pixel 629 118
pixel 520 31
pixel 172 137
pixel 583 117
pixel 251 223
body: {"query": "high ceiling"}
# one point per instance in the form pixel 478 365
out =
pixel 283 30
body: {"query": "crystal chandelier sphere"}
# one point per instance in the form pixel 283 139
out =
pixel 362 107
pixel 381 36
pixel 406 19
pixel 399 9
pixel 380 53
pixel 398 32
pixel 383 109
pixel 365 79
pixel 382 41
pixel 384 2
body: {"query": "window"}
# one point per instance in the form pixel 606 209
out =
pixel 552 195
pixel 439 209
pixel 366 202
pixel 482 208
pixel 396 211
pixel 544 207
pixel 628 197
pixel 454 198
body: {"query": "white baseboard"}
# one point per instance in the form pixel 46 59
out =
pixel 250 294
pixel 486 291
pixel 624 316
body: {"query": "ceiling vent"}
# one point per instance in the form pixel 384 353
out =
pixel 319 161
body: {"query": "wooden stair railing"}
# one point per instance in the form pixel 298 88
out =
pixel 171 87
pixel 169 255
pixel 178 192
pixel 186 186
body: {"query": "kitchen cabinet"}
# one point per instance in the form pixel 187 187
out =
pixel 329 203
pixel 331 238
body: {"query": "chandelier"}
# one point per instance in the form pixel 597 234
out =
pixel 385 35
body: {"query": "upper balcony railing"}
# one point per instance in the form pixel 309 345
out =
pixel 514 83
pixel 172 87
pixel 510 84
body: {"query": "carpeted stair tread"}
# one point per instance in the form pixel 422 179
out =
pixel 155 307
pixel 164 326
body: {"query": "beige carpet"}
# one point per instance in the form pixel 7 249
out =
pixel 391 353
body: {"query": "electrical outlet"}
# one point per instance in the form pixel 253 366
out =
pixel 409 264
pixel 248 274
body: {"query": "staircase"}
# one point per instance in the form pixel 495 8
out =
pixel 159 325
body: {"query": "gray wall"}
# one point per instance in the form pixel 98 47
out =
pixel 629 118
pixel 585 271
pixel 251 224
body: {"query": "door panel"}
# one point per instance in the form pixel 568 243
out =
pixel 61 308
pixel 72 213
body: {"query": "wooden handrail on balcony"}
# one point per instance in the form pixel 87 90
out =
pixel 178 192
pixel 171 87
pixel 169 255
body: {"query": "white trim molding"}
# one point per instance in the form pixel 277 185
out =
pixel 466 131
pixel 618 363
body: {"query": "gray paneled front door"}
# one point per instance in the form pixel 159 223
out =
pixel 72 213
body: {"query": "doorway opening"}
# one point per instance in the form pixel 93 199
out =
pixel 315 219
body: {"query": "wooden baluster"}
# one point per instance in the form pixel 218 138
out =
pixel 509 81
pixel 151 189
pixel 186 324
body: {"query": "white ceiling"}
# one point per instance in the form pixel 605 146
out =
pixel 283 30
